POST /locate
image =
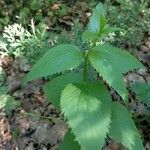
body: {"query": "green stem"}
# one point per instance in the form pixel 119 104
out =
pixel 86 65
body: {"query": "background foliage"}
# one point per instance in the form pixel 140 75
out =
pixel 49 15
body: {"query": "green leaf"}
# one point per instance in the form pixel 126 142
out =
pixel 124 61
pixel 53 88
pixel 56 60
pixel 69 142
pixel 97 20
pixel 11 104
pixel 87 109
pixel 35 5
pixel 96 24
pixel 2 76
pixel 123 129
pixel 108 30
pixel 102 23
pixel 111 62
pixel 7 102
pixel 88 36
pixel 142 91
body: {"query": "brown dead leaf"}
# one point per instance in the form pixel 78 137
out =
pixel 56 133
pixel 114 146
pixel 55 7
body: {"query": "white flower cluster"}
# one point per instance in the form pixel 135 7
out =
pixel 16 34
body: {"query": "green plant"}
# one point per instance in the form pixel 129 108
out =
pixel 19 42
pixel 7 102
pixel 142 91
pixel 15 133
pixel 133 17
pixel 86 103
pixel 2 76
pixel 24 11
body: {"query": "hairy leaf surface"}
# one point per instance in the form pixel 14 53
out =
pixel 56 60
pixel 53 88
pixel 87 109
pixel 69 142
pixel 122 128
pixel 122 59
pixel 142 91
pixel 111 63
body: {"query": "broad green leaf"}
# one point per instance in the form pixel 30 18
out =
pixel 142 91
pixel 97 20
pixel 111 62
pixel 69 142
pixel 122 128
pixel 53 88
pixel 123 60
pixel 88 36
pixel 87 109
pixel 56 60
pixel 104 65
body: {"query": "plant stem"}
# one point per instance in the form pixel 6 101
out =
pixel 86 65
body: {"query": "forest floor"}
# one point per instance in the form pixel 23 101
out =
pixel 37 125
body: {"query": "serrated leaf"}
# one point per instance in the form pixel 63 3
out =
pixel 104 65
pixel 56 60
pixel 122 128
pixel 53 88
pixel 87 109
pixel 124 61
pixel 97 20
pixel 142 91
pixel 69 142
pixel 111 62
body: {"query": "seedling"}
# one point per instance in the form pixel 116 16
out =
pixel 87 106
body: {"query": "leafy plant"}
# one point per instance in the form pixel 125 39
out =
pixel 7 102
pixel 86 103
pixel 18 41
pixel 133 17
pixel 24 11
pixel 15 133
pixel 2 76
pixel 142 91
